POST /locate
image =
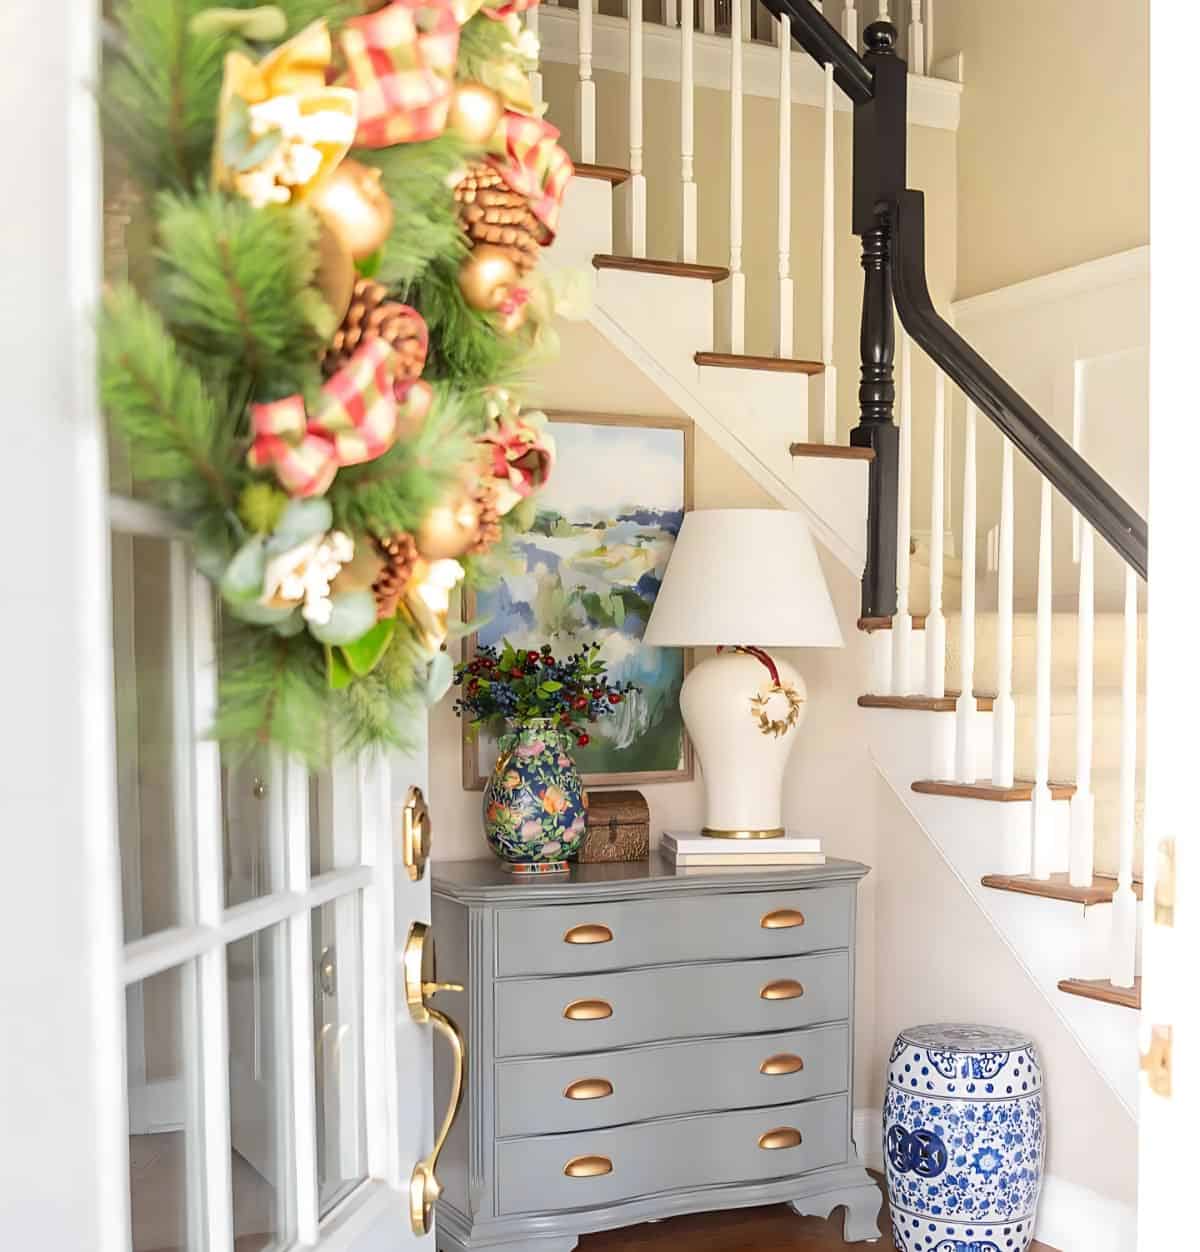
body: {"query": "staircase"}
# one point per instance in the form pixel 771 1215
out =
pixel 1030 785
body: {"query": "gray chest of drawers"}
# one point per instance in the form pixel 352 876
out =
pixel 643 1043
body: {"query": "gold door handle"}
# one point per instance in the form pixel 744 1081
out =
pixel 779 1138
pixel 588 934
pixel 782 1063
pixel 587 1010
pixel 589 1089
pixel 417 833
pixel 782 919
pixel 588 1167
pixel 420 982
pixel 782 989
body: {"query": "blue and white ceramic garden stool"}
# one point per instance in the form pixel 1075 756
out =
pixel 964 1139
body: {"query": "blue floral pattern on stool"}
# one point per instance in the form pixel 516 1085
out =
pixel 964 1139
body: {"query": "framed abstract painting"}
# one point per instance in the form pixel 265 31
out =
pixel 589 570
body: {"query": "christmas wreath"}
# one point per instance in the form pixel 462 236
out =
pixel 315 367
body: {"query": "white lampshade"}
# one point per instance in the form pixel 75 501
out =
pixel 744 576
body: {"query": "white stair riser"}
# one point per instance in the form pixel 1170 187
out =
pixel 585 226
pixel 671 317
pixel 768 410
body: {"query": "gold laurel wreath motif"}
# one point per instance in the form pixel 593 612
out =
pixel 776 726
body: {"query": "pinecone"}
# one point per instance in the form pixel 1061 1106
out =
pixel 489 520
pixel 491 212
pixel 399 552
pixel 372 314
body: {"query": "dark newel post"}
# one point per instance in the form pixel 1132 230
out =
pixel 880 174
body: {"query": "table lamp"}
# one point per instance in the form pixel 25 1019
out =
pixel 743 581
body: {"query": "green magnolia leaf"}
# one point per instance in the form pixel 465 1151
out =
pixel 368 266
pixel 301 520
pixel 340 676
pixel 364 654
pixel 353 615
pixel 242 580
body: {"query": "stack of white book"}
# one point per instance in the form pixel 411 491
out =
pixel 690 850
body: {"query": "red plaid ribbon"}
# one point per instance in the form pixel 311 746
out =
pixel 527 155
pixel 401 62
pixel 361 406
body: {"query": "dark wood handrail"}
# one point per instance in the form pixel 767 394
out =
pixel 821 40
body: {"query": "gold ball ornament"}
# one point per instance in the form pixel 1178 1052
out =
pixel 475 112
pixel 356 207
pixel 487 277
pixel 450 529
pixel 335 275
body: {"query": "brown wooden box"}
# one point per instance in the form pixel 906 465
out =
pixel 618 827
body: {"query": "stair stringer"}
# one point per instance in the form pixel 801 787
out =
pixel 1049 938
pixel 831 494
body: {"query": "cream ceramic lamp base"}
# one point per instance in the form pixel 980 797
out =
pixel 744 730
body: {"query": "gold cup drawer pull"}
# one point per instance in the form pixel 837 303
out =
pixel 587 1010
pixel 782 989
pixel 591 933
pixel 588 1167
pixel 589 1089
pixel 779 1138
pixel 782 919
pixel 782 1063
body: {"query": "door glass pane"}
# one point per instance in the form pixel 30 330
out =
pixel 151 669
pixel 253 806
pixel 259 1091
pixel 334 819
pixel 338 1018
pixel 165 1160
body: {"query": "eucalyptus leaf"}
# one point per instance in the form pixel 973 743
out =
pixel 440 677
pixel 243 577
pixel 291 625
pixel 353 615
pixel 258 614
pixel 301 520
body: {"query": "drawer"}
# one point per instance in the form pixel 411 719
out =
pixel 552 1095
pixel 602 1167
pixel 578 939
pixel 599 1011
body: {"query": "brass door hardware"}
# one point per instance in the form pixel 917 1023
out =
pixel 782 919
pixel 782 989
pixel 587 1010
pixel 782 1063
pixel 1156 1061
pixel 589 1089
pixel 420 982
pixel 779 1138
pixel 594 933
pixel 588 1167
pixel 418 832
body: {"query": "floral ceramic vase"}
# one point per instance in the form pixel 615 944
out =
pixel 964 1138
pixel 534 807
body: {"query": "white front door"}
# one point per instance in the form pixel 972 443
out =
pixel 204 1042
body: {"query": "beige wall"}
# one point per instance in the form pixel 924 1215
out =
pixel 1054 141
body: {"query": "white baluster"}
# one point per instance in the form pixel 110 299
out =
pixel 687 134
pixel 736 283
pixel 532 25
pixel 965 709
pixel 1043 814
pixel 828 290
pixel 637 179
pixel 1124 923
pixel 935 621
pixel 1083 803
pixel 1004 721
pixel 785 311
pixel 902 683
pixel 671 13
pixel 850 24
pixel 708 16
pixel 930 58
pixel 585 106
pixel 916 41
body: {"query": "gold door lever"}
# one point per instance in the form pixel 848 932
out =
pixel 420 982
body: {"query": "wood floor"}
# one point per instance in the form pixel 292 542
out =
pixel 774 1229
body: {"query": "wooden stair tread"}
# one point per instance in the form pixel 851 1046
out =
pixel 870 624
pixel 771 364
pixel 1101 989
pixel 1020 790
pixel 673 269
pixel 836 451
pixel 923 704
pixel 1058 887
pixel 613 174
